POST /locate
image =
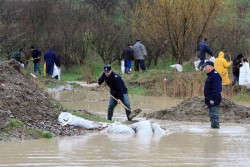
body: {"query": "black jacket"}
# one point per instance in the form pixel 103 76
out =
pixel 115 83
pixel 128 53
pixel 236 67
pixel 213 88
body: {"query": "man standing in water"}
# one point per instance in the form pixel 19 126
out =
pixel 117 89
pixel 212 92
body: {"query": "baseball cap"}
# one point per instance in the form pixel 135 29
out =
pixel 208 63
pixel 107 68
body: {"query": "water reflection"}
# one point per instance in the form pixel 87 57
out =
pixel 187 145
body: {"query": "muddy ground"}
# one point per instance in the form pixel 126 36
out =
pixel 195 110
pixel 22 99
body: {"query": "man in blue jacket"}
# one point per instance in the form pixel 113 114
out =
pixel 117 89
pixel 50 58
pixel 212 92
pixel 202 49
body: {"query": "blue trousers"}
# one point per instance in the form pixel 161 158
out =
pixel 141 63
pixel 37 68
pixel 214 117
pixel 49 69
pixel 127 64
pixel 202 57
pixel 113 103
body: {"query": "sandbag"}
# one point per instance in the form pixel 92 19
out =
pixel 178 67
pixel 142 128
pixel 66 118
pixel 157 129
pixel 244 78
pixel 196 64
pixel 118 128
pixel 211 59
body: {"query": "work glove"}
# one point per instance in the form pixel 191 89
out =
pixel 211 102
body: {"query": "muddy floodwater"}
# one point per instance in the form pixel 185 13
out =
pixel 184 144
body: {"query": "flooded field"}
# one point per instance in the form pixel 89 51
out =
pixel 184 144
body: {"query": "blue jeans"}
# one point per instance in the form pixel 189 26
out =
pixel 37 68
pixel 214 117
pixel 141 63
pixel 127 64
pixel 113 103
pixel 202 57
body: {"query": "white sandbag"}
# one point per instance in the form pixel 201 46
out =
pixel 122 67
pixel 66 118
pixel 178 67
pixel 157 129
pixel 55 71
pixel 211 59
pixel 244 78
pixel 142 128
pixel 118 128
pixel 196 64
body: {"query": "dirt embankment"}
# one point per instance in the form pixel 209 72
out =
pixel 195 110
pixel 21 99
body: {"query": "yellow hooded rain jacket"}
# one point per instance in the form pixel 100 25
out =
pixel 221 66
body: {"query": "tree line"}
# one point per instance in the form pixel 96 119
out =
pixel 82 29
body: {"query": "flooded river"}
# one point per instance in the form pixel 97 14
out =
pixel 184 144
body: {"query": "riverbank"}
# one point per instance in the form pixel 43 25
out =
pixel 27 111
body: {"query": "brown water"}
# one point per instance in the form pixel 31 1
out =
pixel 97 102
pixel 185 144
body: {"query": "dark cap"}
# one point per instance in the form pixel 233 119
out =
pixel 107 68
pixel 208 63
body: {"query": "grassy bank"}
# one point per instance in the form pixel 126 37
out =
pixel 160 80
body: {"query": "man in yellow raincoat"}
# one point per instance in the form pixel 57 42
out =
pixel 221 66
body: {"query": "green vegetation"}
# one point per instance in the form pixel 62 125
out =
pixel 15 123
pixel 38 133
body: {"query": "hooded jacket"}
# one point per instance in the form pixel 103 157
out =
pixel 221 66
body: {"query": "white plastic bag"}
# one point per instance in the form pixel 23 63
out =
pixel 66 118
pixel 122 67
pixel 244 78
pixel 56 71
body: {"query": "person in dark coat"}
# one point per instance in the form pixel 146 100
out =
pixel 202 49
pixel 128 56
pixel 36 57
pixel 117 90
pixel 212 92
pixel 236 68
pixel 50 57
